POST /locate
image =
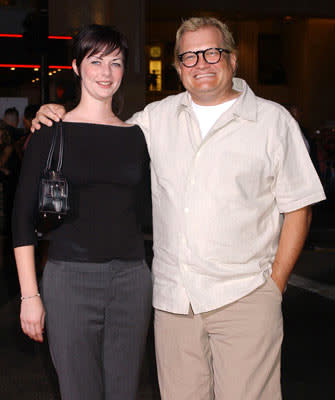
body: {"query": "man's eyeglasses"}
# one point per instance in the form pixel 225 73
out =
pixel 211 56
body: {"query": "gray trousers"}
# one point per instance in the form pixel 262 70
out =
pixel 97 317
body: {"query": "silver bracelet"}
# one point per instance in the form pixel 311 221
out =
pixel 30 297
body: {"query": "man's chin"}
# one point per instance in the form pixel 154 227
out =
pixel 202 91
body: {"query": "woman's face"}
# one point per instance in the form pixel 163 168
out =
pixel 101 75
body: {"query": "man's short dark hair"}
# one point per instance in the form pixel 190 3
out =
pixel 12 111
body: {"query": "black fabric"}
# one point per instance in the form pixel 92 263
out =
pixel 105 166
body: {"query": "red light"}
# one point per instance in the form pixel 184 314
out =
pixel 14 35
pixel 10 35
pixel 19 66
pixel 60 66
pixel 60 37
pixel 34 66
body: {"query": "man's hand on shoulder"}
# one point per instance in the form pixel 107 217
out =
pixel 46 115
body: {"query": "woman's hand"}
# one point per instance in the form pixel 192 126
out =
pixel 32 318
pixel 46 114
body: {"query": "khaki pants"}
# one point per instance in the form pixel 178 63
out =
pixel 232 353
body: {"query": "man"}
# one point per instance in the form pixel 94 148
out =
pixel 11 117
pixel 232 185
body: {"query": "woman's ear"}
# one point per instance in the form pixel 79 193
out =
pixel 75 68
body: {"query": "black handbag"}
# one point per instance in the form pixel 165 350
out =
pixel 53 203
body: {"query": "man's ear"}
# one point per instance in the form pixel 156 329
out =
pixel 75 68
pixel 233 62
pixel 177 67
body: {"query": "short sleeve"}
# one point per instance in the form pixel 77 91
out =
pixel 297 184
pixel 142 119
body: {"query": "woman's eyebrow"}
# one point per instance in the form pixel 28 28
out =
pixel 117 58
pixel 96 56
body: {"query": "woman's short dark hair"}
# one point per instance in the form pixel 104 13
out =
pixel 94 39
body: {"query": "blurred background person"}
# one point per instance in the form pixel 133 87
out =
pixel 11 117
pixel 9 170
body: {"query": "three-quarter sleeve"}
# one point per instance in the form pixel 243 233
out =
pixel 25 209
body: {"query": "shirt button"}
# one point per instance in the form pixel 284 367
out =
pixel 187 210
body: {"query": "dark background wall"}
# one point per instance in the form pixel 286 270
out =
pixel 301 56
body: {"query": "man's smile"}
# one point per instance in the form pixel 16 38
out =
pixel 204 75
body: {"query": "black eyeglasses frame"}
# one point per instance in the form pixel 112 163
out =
pixel 221 50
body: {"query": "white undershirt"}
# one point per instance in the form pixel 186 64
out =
pixel 208 115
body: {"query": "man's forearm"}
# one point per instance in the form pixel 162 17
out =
pixel 293 235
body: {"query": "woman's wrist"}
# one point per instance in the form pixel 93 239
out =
pixel 30 297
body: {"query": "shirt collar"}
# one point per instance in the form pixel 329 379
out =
pixel 245 106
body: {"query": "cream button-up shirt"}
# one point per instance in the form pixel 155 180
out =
pixel 218 203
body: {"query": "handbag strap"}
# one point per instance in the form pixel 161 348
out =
pixel 61 146
pixel 59 129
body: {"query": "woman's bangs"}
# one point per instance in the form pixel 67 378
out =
pixel 104 48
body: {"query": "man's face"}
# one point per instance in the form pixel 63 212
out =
pixel 208 84
pixel 11 120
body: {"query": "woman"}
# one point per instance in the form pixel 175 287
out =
pixel 96 288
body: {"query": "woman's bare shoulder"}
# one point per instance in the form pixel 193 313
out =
pixel 124 124
pixel 69 117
